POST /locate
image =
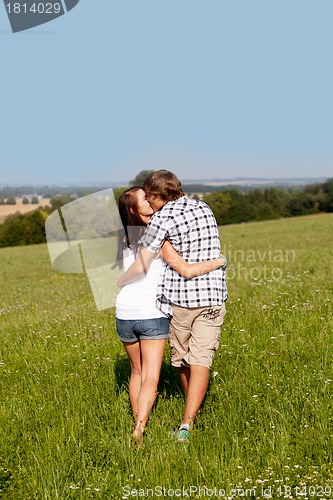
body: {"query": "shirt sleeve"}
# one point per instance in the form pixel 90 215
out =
pixel 154 235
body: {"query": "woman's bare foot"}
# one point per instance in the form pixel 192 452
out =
pixel 138 433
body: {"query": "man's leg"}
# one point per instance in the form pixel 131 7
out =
pixel 180 333
pixel 197 388
pixel 185 378
pixel 203 342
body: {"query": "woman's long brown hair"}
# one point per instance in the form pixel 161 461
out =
pixel 132 223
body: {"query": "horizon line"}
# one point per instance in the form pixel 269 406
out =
pixel 123 183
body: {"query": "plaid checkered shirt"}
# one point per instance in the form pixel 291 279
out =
pixel 191 228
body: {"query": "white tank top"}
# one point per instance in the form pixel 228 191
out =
pixel 137 299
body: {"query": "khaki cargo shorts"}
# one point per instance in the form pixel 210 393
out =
pixel 195 334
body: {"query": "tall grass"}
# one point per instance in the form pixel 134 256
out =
pixel 266 422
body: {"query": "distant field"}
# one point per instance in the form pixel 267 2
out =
pixel 266 427
pixel 20 207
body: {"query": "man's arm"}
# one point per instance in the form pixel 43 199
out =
pixel 186 269
pixel 139 267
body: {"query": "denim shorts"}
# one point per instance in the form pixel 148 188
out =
pixel 132 330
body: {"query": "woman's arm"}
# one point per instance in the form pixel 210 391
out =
pixel 139 267
pixel 186 269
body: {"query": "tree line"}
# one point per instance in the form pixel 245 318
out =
pixel 29 229
pixel 229 206
pixel 11 200
pixel 232 206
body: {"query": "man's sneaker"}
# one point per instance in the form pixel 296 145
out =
pixel 182 436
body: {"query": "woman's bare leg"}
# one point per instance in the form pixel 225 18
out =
pixel 151 361
pixel 134 353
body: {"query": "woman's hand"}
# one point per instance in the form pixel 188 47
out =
pixel 138 269
pixel 225 261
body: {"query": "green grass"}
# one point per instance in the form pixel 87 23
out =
pixel 266 422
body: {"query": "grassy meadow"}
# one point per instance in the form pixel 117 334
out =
pixel 266 427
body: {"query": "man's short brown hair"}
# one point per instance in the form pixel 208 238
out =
pixel 164 185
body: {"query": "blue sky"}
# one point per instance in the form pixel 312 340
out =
pixel 206 89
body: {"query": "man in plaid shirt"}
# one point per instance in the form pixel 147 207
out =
pixel 196 305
